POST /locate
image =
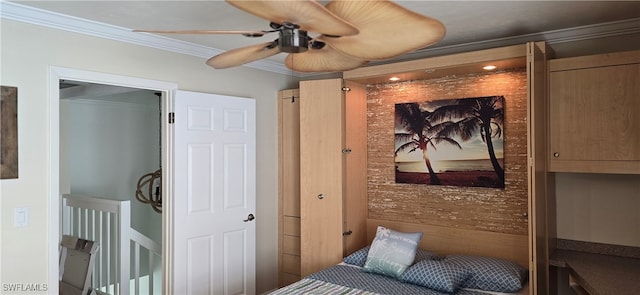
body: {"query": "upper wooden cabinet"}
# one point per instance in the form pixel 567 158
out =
pixel 595 113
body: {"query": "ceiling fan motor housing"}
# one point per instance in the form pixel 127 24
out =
pixel 293 40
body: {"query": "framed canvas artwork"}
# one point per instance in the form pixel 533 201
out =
pixel 8 132
pixel 456 142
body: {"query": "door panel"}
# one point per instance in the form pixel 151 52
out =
pixel 214 162
pixel 321 171
pixel 537 142
pixel 355 205
pixel 199 196
pixel 200 267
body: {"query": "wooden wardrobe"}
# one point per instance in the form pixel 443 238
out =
pixel 322 175
pixel 539 186
pixel 323 146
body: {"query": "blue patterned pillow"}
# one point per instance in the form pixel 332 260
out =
pixel 490 274
pixel 391 252
pixel 359 257
pixel 436 274
pixel 422 254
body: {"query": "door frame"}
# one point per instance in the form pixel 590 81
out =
pixel 168 90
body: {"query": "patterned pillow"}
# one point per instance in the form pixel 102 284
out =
pixel 422 254
pixel 391 252
pixel 490 274
pixel 359 257
pixel 436 274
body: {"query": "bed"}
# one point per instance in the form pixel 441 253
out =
pixel 436 261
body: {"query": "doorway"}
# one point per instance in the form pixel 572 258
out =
pixel 59 183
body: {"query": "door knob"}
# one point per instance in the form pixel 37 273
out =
pixel 249 218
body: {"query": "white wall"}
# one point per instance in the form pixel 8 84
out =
pixel 600 208
pixel 27 52
pixel 110 142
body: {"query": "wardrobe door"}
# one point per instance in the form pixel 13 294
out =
pixel 541 198
pixel 321 174
pixel 355 198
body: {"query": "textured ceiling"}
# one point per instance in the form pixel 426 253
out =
pixel 465 21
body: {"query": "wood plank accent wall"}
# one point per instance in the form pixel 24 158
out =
pixel 475 208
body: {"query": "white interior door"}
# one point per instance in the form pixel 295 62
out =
pixel 214 197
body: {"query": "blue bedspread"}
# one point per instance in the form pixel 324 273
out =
pixel 344 279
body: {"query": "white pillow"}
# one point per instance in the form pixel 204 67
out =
pixel 391 252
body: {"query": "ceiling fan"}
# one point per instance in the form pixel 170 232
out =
pixel 350 33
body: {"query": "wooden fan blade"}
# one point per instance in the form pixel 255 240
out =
pixel 243 55
pixel 308 14
pixel 386 29
pixel 205 32
pixel 326 59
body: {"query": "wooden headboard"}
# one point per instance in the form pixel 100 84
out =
pixel 447 240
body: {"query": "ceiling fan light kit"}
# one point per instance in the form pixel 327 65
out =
pixel 350 33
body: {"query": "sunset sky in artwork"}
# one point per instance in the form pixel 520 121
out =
pixel 473 149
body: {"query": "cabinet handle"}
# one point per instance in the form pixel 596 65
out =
pixel 556 155
pixel 320 196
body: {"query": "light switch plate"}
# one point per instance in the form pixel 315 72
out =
pixel 20 217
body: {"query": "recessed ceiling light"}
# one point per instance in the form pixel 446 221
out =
pixel 489 67
pixel 394 79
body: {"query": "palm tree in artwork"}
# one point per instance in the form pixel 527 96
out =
pixel 420 133
pixel 484 114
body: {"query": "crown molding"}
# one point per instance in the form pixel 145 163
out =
pixel 27 14
pixel 602 30
pixel 35 16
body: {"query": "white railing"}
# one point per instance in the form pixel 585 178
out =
pixel 117 265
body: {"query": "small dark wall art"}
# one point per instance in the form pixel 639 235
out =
pixel 8 132
pixel 456 142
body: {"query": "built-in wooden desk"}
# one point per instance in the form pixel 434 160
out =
pixel 600 274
